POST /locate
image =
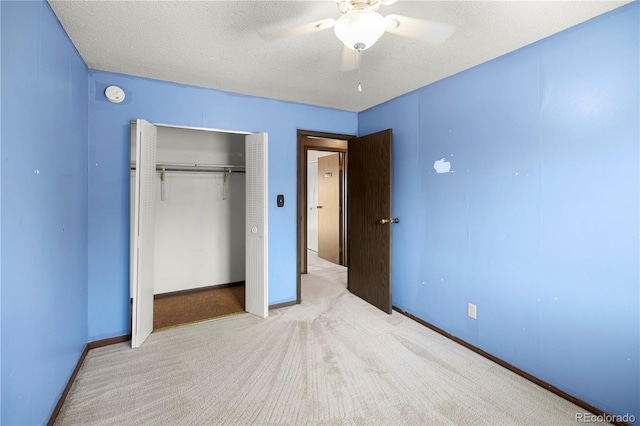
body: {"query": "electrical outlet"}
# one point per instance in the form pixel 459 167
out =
pixel 471 310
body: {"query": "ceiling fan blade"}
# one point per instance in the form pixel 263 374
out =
pixel 349 59
pixel 418 29
pixel 311 27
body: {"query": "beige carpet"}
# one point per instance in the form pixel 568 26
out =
pixel 332 360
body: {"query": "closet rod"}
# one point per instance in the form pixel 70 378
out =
pixel 196 168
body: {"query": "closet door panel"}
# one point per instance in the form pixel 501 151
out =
pixel 256 282
pixel 143 233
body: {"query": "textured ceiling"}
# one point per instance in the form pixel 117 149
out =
pixel 217 44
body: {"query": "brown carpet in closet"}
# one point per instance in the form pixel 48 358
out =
pixel 197 305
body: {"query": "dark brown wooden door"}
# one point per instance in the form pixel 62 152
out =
pixel 369 201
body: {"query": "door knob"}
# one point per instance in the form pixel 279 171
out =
pixel 392 220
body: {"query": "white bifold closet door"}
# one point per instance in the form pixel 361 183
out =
pixel 143 233
pixel 256 270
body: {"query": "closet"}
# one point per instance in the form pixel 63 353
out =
pixel 198 215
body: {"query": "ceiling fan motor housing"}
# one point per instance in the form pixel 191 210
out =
pixel 359 29
pixel 346 6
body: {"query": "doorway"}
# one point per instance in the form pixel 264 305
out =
pixel 331 143
pixel 326 236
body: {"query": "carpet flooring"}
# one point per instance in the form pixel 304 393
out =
pixel 331 360
pixel 200 305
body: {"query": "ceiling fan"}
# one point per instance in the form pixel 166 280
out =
pixel 360 26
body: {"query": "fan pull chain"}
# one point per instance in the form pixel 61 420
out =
pixel 359 62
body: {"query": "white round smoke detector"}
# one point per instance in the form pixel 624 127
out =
pixel 114 94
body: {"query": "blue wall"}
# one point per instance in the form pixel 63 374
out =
pixel 162 102
pixel 0 214
pixel 44 210
pixel 538 221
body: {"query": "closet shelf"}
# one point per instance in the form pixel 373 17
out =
pixel 197 168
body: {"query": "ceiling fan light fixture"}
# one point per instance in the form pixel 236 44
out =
pixel 361 28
